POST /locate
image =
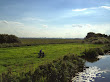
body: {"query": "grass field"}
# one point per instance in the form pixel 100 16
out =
pixel 18 59
pixel 49 41
pixel 35 41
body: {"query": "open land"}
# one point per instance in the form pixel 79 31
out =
pixel 25 58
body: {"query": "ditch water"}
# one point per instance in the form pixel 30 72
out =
pixel 97 70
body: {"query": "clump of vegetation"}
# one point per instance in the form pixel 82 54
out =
pixel 100 51
pixel 5 38
pixel 60 71
pixel 106 48
pixel 93 52
pixel 97 38
pixel 92 34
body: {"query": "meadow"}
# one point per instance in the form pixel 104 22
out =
pixel 25 58
pixel 35 41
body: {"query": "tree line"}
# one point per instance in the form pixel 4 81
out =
pixel 5 38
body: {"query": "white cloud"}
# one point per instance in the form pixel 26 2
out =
pixel 76 25
pixel 93 8
pixel 45 26
pixel 66 31
pixel 29 19
pixel 84 9
pixel 88 25
pixel 105 7
pixel 22 30
pixel 81 30
pixel 80 9
pixel 4 21
pixel 81 25
pixel 10 23
pixel 32 19
pixel 16 28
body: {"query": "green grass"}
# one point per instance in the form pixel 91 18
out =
pixel 25 58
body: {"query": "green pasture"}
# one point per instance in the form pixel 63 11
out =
pixel 18 59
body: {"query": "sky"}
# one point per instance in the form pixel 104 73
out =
pixel 54 18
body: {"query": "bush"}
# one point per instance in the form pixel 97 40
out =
pixel 5 38
pixel 98 40
pixel 101 41
pixel 106 48
pixel 93 52
pixel 100 51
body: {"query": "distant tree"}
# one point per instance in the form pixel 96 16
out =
pixel 5 38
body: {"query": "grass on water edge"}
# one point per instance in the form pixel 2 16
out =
pixel 23 59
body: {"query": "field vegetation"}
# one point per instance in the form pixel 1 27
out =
pixel 35 41
pixel 97 38
pixel 20 61
pixel 5 38
pixel 18 58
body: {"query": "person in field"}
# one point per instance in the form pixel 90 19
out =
pixel 41 54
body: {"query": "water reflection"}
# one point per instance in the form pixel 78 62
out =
pixel 98 70
pixel 88 75
pixel 91 60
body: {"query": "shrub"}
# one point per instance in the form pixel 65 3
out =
pixel 65 58
pixel 97 38
pixel 91 53
pixel 5 38
pixel 106 48
pixel 99 51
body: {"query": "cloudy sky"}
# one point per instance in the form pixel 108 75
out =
pixel 54 18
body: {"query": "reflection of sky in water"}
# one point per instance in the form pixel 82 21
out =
pixel 97 72
pixel 88 75
pixel 103 63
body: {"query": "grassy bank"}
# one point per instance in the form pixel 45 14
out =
pixel 60 70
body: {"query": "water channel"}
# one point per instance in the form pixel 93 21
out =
pixel 97 70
